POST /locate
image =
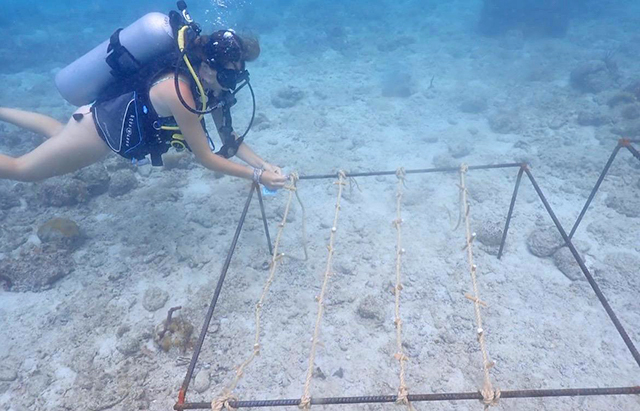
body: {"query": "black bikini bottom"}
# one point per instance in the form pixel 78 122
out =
pixel 118 124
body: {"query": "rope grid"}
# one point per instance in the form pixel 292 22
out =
pixel 227 396
pixel 403 391
pixel 305 402
pixel 489 395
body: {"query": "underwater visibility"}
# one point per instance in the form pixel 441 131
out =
pixel 310 204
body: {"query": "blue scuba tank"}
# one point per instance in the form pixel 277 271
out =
pixel 82 81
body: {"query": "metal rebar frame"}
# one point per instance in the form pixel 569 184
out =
pixel 181 404
pixel 623 143
pixel 264 220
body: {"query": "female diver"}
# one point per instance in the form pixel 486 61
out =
pixel 128 123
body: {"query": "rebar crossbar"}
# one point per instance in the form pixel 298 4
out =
pixel 460 396
pixel 453 396
pixel 416 171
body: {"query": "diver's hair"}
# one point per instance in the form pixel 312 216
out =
pixel 250 46
pixel 249 42
pixel 197 48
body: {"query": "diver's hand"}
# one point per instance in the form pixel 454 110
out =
pixel 274 169
pixel 272 181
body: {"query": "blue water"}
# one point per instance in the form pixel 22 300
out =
pixel 340 85
pixel 45 35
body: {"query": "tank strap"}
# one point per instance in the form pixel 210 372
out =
pixel 120 60
pixel 157 140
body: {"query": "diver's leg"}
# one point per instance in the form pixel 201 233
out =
pixel 38 123
pixel 76 146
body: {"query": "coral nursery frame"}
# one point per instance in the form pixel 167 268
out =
pixel 523 169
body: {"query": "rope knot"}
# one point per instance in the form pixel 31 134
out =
pixel 223 402
pixel 402 177
pixel 293 180
pixel 305 403
pixel 475 299
pixel 490 396
pixel 400 356
pixel 403 396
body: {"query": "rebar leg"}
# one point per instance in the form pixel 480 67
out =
pixel 633 151
pixel 264 219
pixel 214 301
pixel 513 203
pixel 595 190
pixel 605 304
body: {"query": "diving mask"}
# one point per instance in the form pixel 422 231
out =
pixel 229 78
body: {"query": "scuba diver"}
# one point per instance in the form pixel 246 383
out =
pixel 139 102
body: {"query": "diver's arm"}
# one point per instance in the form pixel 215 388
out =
pixel 246 154
pixel 189 124
pixel 193 132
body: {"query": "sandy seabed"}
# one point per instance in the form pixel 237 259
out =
pixel 88 341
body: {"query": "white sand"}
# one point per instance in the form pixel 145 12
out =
pixel 542 329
